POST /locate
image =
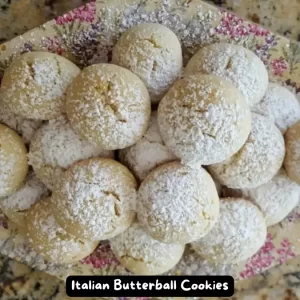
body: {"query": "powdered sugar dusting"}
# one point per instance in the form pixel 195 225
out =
pixel 178 204
pixel 95 199
pixel 8 162
pixel 34 85
pixel 153 256
pixel 152 52
pixel 147 153
pixel 235 63
pixel 109 106
pixel 280 105
pixel 238 234
pixel 276 199
pixel 50 240
pixel 46 75
pixel 203 119
pixel 25 127
pixel 32 191
pixel 55 147
pixel 259 159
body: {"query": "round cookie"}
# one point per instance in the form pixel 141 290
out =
pixel 13 161
pixel 152 52
pixel 47 238
pixel 276 198
pixel 95 199
pixel 34 85
pixel 257 162
pixel 16 205
pixel 24 127
pixel 142 255
pixel 108 106
pixel 55 147
pixel 280 105
pixel 234 63
pixel 204 119
pixel 177 204
pixel 147 153
pixel 239 233
pixel 292 157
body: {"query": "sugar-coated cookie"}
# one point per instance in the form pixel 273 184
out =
pixel 55 147
pixel 234 63
pixel 26 128
pixel 147 153
pixel 35 84
pixel 276 198
pixel 204 119
pixel 280 105
pixel 152 52
pixel 239 233
pixel 16 205
pixel 47 238
pixel 95 199
pixel 178 204
pixel 257 161
pixel 13 161
pixel 109 106
pixel 138 252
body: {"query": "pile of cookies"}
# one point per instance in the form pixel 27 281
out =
pixel 147 154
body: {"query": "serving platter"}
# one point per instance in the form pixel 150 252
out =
pixel 86 35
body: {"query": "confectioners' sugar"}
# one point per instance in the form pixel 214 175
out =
pixel 177 204
pixel 276 199
pixel 136 245
pixel 147 153
pixel 34 85
pixel 235 63
pixel 238 234
pixel 61 146
pixel 98 196
pixel 280 105
pixel 258 160
pixel 46 74
pixel 8 162
pixel 32 191
pixel 152 52
pixel 56 146
pixel 109 106
pixel 203 119
pixel 50 240
pixel 25 127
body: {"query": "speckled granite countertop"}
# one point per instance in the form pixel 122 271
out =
pixel 20 282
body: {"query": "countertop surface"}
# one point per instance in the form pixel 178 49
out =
pixel 18 281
